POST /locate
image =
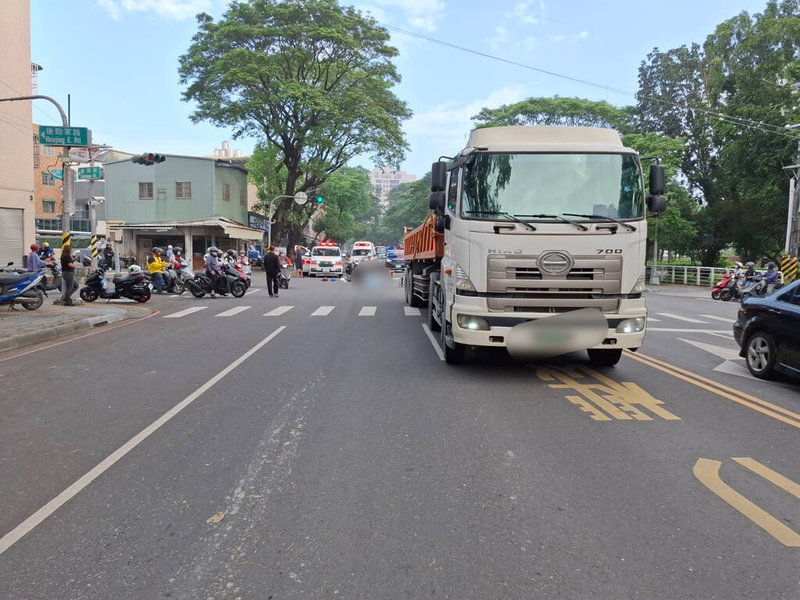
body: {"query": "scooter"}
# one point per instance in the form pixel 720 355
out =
pixel 229 282
pixel 733 291
pixel 726 279
pixel 55 269
pixel 757 287
pixel 242 271
pixel 176 275
pixel 283 277
pixel 21 288
pixel 133 286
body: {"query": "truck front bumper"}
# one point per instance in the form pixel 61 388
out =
pixel 500 324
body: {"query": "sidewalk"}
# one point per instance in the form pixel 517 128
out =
pixel 19 328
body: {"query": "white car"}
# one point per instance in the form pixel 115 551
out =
pixel 326 259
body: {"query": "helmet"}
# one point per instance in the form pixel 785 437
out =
pixel 242 253
pixel 177 249
pixel 157 250
pixel 169 246
pixel 134 269
pixel 751 264
pixel 35 247
pixel 770 266
pixel 46 245
pixel 738 264
pixel 231 252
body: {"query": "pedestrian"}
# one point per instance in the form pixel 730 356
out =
pixel 108 256
pixel 170 253
pixel 156 267
pixel 272 265
pixel 67 276
pixel 34 262
pixel 298 260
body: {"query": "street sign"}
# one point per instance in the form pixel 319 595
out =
pixel 90 172
pixel 79 155
pixel 52 135
pixel 301 198
pixel 57 173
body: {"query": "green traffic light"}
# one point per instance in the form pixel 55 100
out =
pixel 319 199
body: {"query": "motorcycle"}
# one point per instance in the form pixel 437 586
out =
pixel 244 272
pixel 176 276
pixel 283 277
pixel 133 286
pixel 757 287
pixel 723 283
pixel 230 281
pixel 20 287
pixel 55 269
pixel 733 291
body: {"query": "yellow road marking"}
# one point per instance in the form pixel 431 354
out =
pixel 762 406
pixel 782 482
pixel 707 472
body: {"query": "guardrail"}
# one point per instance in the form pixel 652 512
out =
pixel 702 276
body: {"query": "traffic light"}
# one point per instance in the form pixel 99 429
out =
pixel 149 159
pixel 319 199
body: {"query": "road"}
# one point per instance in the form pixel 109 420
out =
pixel 315 446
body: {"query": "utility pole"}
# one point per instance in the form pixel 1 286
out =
pixel 792 230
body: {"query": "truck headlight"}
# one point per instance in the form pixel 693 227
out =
pixel 472 322
pixel 462 280
pixel 639 286
pixel 631 325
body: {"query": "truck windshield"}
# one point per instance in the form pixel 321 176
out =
pixel 606 185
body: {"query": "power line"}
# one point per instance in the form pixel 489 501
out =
pixel 742 122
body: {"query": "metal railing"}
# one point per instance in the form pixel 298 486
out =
pixel 686 275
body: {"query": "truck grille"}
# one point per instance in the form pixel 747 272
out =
pixel 527 289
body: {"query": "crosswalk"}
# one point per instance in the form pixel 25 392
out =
pixel 667 322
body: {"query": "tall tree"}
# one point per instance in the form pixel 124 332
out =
pixel 575 112
pixel 348 207
pixel 309 78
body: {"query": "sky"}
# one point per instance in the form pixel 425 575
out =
pixel 118 62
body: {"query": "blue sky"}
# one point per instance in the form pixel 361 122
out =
pixel 118 60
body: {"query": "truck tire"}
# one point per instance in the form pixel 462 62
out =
pixel 604 358
pixel 408 284
pixel 455 355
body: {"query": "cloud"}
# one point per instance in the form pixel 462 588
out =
pixel 445 127
pixel 528 11
pixel 176 10
pixel 420 14
pixel 499 39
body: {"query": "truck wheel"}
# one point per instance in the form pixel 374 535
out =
pixel 455 355
pixel 605 358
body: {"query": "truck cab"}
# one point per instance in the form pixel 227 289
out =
pixel 543 244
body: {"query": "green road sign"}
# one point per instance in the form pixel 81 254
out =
pixel 57 173
pixel 90 172
pixel 52 135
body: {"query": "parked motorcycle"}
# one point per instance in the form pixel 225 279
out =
pixel 134 286
pixel 55 269
pixel 230 281
pixel 20 288
pixel 176 276
pixel 723 283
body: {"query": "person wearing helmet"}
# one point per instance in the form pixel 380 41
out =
pixel 156 265
pixel 34 262
pixel 213 268
pixel 46 252
pixel 771 277
pixel 750 272
pixel 170 253
pixel 134 269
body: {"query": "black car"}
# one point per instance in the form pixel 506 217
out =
pixel 768 332
pixel 395 262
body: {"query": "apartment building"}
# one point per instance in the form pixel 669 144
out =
pixel 17 210
pixel 385 180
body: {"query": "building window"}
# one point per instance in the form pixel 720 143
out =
pixel 243 197
pixel 226 192
pixel 47 178
pixel 48 151
pixel 35 151
pixel 183 189
pixel 145 189
pixel 49 206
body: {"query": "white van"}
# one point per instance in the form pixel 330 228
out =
pixel 326 259
pixel 362 250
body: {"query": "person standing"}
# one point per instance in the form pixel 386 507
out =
pixel 170 253
pixel 156 267
pixel 212 268
pixel 67 276
pixel 272 265
pixel 34 262
pixel 108 256
pixel 298 260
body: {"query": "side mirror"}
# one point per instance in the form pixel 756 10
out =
pixel 657 180
pixel 657 204
pixel 436 202
pixel 438 176
pixel 438 224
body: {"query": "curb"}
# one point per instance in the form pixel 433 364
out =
pixel 64 330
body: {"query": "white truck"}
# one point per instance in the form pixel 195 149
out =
pixel 536 242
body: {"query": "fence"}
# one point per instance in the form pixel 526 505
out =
pixel 702 276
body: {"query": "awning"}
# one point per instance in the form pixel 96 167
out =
pixel 231 228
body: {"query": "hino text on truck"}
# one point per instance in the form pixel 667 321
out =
pixel 536 243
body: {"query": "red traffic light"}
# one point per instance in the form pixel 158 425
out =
pixel 148 159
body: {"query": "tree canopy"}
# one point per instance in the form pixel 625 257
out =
pixel 310 79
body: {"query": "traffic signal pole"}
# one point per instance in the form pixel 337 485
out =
pixel 67 184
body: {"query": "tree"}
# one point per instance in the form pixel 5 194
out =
pixel 310 79
pixel 575 112
pixel 408 207
pixel 348 207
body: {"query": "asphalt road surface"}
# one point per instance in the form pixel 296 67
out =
pixel 315 446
